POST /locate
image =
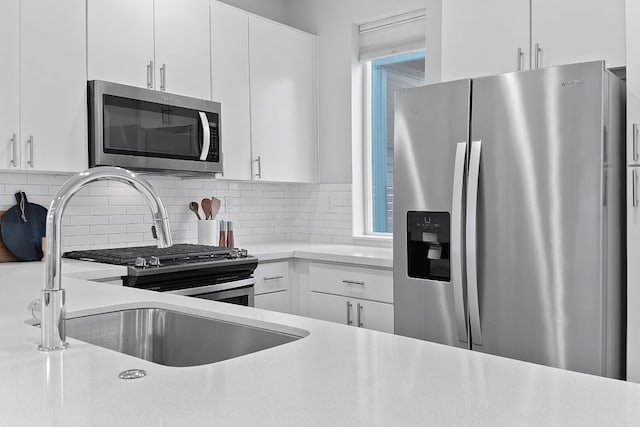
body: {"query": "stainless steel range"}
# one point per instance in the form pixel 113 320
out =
pixel 208 272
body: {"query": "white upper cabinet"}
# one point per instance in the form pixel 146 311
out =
pixel 569 32
pixel 9 84
pixel 633 89
pixel 120 41
pixel 283 102
pixel 230 80
pixel 53 85
pixel 182 45
pixel 481 38
pixel 161 44
pixel 498 36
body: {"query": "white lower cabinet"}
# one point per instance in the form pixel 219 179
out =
pixel 274 301
pixel 272 289
pixel 352 295
pixel 352 311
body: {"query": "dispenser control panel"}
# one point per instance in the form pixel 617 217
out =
pixel 428 245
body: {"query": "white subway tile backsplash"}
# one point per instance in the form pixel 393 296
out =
pixel 111 214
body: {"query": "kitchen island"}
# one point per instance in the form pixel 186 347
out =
pixel 337 375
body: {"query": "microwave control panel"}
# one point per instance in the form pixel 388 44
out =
pixel 214 143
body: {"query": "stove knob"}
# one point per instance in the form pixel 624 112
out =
pixel 243 253
pixel 233 254
pixel 141 262
pixel 154 261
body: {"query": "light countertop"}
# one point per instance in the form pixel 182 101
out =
pixel 337 375
pixel 349 254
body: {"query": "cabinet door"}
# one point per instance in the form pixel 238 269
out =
pixel 283 102
pixel 120 41
pixel 374 315
pixel 183 62
pixel 332 308
pixel 275 301
pixel 9 78
pixel 633 81
pixel 481 38
pixel 569 32
pixel 53 85
pixel 230 80
pixel 352 311
pixel 633 274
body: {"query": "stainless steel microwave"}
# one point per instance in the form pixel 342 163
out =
pixel 144 129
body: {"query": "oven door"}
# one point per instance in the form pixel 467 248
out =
pixel 146 129
pixel 239 292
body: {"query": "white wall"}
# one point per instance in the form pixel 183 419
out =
pixel 334 21
pixel 277 10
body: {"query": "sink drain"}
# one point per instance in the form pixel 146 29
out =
pixel 132 374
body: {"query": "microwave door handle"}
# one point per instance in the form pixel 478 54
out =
pixel 206 135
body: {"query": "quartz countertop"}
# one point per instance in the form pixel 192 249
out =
pixel 337 375
pixel 349 254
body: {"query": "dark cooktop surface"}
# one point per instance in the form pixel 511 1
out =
pixel 177 254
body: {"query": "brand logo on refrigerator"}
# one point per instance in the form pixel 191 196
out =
pixel 572 83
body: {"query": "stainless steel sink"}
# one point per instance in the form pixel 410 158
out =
pixel 173 338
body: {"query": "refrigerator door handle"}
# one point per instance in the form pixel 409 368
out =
pixel 471 240
pixel 457 259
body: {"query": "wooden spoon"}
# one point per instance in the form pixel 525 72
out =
pixel 206 208
pixel 214 207
pixel 193 206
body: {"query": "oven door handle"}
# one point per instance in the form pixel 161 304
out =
pixel 206 135
pixel 214 288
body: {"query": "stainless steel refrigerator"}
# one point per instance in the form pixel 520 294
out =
pixel 508 216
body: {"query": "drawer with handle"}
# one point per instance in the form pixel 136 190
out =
pixel 366 283
pixel 271 277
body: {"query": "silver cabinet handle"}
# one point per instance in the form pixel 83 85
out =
pixel 537 57
pixel 349 321
pixel 635 141
pixel 30 162
pixel 14 147
pixel 150 75
pixel 273 278
pixel 519 59
pixel 353 282
pixel 634 187
pixel 457 258
pixel 360 309
pixel 259 162
pixel 471 228
pixel 163 77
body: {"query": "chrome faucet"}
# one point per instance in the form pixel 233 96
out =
pixel 53 296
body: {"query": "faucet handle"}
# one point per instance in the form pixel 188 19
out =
pixel 35 307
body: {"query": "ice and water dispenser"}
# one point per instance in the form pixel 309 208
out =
pixel 428 245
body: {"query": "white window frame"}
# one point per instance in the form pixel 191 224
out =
pixel 362 219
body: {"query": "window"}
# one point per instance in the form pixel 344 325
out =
pixel 392 52
pixel 386 75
